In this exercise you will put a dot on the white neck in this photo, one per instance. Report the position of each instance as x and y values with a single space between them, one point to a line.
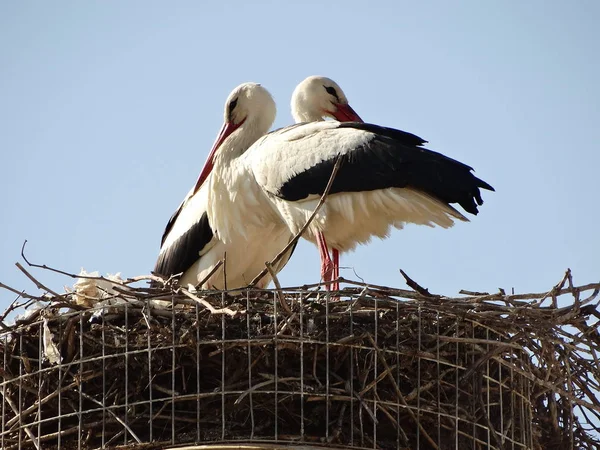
237 143
303 110
226 208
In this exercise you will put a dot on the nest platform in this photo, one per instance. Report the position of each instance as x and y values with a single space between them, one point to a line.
368 367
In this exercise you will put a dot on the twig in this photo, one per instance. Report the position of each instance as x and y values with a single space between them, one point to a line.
224 270
198 285
19 293
38 404
279 293
70 431
556 289
413 284
13 305
210 274
88 277
130 280
117 418
472 293
376 287
16 411
45 267
399 393
290 244
208 306
36 282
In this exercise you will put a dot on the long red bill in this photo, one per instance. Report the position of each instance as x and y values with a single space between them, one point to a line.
345 113
226 130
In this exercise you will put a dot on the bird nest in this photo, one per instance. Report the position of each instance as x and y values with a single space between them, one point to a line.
373 367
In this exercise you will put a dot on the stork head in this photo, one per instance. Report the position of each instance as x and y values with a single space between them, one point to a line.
318 97
249 113
249 103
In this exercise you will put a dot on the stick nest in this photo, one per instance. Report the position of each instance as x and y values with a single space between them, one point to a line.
376 367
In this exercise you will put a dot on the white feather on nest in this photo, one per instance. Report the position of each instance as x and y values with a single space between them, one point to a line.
93 289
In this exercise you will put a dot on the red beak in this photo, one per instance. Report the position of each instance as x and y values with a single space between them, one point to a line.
345 113
226 130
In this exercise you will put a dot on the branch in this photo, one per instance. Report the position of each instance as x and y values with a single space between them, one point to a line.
43 266
290 244
36 282
86 277
13 305
125 282
279 294
20 293
210 274
17 412
130 280
416 286
207 305
399 394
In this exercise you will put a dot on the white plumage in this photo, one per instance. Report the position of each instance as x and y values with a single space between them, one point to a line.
386 179
256 191
220 218
347 218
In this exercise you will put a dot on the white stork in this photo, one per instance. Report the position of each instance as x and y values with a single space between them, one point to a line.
212 223
386 178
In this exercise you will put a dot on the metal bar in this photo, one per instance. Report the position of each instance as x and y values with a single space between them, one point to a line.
302 437
198 437
125 421
250 396
81 357
275 332
150 389
173 367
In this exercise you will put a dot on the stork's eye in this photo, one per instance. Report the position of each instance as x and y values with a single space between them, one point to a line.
231 107
331 91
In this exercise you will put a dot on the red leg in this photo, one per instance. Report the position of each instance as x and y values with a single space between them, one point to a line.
336 268
327 266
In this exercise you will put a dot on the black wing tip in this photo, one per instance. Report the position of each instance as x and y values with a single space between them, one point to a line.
474 200
482 184
486 186
471 207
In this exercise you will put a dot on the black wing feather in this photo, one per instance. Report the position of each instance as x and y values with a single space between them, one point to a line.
170 224
185 251
393 158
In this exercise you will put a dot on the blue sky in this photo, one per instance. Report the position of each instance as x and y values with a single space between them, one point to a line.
108 110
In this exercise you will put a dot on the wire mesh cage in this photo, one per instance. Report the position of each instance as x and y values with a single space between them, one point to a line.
371 368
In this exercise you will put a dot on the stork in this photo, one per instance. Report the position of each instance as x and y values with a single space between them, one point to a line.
212 223
386 178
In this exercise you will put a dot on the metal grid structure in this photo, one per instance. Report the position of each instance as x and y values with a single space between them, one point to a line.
366 371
